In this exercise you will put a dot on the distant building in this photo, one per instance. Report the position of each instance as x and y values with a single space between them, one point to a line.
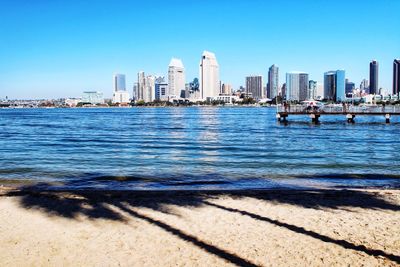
72 102
350 87
135 91
296 86
373 77
176 77
209 75
150 88
320 91
119 82
273 82
226 89
364 86
334 85
283 91
161 89
194 90
312 89
254 86
141 85
396 77
120 95
93 97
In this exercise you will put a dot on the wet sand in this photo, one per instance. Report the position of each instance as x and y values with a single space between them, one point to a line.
189 228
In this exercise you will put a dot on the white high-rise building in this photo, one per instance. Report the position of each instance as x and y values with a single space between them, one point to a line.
209 76
176 77
149 92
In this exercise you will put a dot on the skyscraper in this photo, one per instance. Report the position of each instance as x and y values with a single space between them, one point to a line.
176 77
119 82
120 95
364 86
273 81
296 86
254 85
149 92
135 91
334 85
209 75
312 89
141 85
283 90
396 77
350 86
373 77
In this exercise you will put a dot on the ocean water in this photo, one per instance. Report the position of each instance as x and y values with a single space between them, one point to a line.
194 148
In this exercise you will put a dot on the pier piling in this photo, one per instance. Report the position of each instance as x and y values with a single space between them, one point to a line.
350 118
315 118
387 117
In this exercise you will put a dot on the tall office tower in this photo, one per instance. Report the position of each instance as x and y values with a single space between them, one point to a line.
334 85
176 77
364 86
135 91
149 91
119 82
254 86
396 77
320 91
209 75
296 86
350 86
283 90
312 89
120 95
273 82
373 77
141 85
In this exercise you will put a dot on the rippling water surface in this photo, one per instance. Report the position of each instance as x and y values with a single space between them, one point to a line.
195 148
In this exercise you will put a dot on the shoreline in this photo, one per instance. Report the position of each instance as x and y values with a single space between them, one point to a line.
215 227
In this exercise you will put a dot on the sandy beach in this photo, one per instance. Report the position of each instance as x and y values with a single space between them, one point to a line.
189 228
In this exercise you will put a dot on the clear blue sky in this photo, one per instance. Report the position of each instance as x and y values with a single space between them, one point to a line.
51 49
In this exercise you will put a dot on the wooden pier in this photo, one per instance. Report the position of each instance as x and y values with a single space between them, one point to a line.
315 112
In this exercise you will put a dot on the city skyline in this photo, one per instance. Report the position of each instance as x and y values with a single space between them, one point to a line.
60 50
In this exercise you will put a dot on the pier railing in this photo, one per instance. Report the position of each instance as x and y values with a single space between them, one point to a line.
339 109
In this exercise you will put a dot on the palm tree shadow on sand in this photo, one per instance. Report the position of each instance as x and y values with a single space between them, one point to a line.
114 205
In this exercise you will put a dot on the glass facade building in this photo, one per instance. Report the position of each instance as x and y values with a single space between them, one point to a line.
373 77
396 76
335 85
350 86
273 82
119 82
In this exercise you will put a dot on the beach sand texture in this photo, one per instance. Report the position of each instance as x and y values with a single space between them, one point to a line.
214 228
